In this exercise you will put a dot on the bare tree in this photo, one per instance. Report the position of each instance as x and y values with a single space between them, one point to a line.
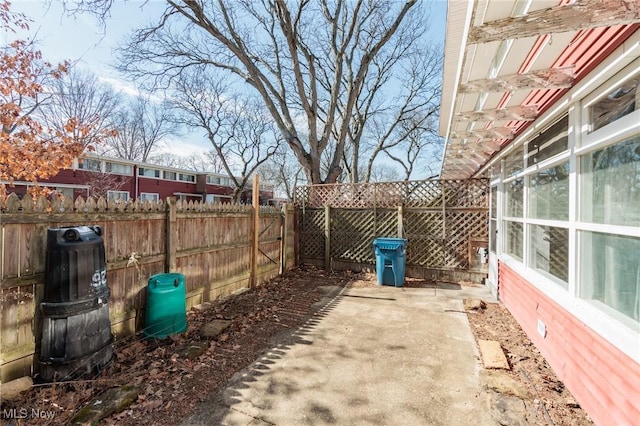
205 162
294 55
422 146
283 172
80 95
241 132
384 173
141 128
389 122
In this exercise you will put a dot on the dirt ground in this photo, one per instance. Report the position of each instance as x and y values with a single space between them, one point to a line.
550 402
175 374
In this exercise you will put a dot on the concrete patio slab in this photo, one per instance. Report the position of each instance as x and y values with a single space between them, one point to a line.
372 356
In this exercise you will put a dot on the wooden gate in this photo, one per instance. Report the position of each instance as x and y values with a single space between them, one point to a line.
445 223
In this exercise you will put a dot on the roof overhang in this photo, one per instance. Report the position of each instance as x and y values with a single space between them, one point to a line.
508 61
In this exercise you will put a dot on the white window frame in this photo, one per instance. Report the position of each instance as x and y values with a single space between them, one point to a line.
82 165
145 195
186 177
107 165
121 194
623 333
148 169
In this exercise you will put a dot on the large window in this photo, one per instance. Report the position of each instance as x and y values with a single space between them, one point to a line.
610 271
570 206
552 141
186 177
121 169
513 239
549 251
154 173
549 193
610 185
513 197
118 196
620 101
90 164
149 196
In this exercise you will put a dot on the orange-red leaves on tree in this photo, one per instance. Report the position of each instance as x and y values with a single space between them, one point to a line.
30 151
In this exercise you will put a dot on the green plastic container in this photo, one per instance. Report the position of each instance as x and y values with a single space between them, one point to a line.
166 305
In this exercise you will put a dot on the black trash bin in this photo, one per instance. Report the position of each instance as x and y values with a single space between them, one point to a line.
76 330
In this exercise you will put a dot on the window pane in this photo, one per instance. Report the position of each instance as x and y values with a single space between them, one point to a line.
549 193
623 100
549 250
513 239
611 271
494 201
123 169
90 164
513 198
118 195
514 162
610 185
552 141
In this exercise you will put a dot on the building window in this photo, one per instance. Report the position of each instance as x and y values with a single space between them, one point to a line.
170 175
549 193
549 251
618 102
121 169
186 177
67 193
514 163
154 173
118 196
213 198
513 206
610 271
149 196
513 239
213 180
90 164
610 185
552 141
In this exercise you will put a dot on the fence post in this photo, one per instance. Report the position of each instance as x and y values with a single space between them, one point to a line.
327 237
296 236
400 222
255 200
171 238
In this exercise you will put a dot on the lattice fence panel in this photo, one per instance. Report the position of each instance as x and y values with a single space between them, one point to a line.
386 223
425 193
352 234
460 226
361 212
471 193
312 233
423 231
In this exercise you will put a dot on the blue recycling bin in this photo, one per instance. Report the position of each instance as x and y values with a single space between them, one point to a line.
390 260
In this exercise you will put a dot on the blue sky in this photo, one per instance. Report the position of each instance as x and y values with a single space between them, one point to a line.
81 39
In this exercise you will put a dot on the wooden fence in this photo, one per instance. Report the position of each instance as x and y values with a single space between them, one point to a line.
219 248
445 223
